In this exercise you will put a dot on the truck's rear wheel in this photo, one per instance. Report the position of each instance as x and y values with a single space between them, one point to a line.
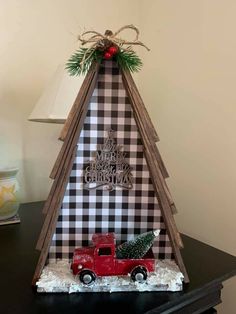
139 274
87 277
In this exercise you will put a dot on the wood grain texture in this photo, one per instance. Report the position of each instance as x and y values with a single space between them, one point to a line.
49 228
75 116
61 173
130 88
157 175
143 114
68 146
59 190
137 97
78 103
163 177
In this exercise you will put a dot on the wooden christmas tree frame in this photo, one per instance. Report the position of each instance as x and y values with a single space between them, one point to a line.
63 166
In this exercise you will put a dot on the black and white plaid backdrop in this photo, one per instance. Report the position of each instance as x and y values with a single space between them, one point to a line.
125 212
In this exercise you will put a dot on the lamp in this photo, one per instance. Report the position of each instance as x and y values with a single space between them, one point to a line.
57 99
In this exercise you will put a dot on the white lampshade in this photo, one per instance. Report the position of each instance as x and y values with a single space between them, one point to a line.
58 97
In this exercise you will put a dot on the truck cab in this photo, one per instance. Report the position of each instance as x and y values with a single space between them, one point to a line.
104 254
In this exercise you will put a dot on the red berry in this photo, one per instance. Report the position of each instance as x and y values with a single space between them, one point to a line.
113 50
107 55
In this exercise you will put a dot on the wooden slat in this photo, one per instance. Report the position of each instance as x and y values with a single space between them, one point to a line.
61 182
166 210
174 209
58 190
157 181
54 216
175 247
165 207
59 164
50 220
136 98
136 95
181 265
73 126
63 169
150 149
78 104
68 140
161 164
155 172
130 89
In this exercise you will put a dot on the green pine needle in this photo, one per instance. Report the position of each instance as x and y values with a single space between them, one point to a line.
137 247
73 65
128 60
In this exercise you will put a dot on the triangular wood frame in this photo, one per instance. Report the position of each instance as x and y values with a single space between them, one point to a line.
63 166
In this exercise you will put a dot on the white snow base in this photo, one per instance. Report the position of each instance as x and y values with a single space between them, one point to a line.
57 277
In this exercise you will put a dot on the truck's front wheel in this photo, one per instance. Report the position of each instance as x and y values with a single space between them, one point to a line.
87 277
139 274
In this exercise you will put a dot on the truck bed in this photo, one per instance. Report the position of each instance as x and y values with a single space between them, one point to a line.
127 265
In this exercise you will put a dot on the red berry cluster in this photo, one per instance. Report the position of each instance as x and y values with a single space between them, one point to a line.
110 52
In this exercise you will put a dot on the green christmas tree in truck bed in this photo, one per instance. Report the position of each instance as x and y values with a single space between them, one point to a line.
138 247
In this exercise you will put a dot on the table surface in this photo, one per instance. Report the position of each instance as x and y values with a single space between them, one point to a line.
206 266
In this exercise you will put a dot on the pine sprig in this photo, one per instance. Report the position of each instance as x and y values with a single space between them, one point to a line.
74 65
77 64
128 60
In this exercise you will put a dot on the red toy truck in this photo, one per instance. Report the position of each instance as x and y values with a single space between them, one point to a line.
100 260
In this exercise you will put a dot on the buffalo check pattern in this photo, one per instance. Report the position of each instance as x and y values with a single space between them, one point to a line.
125 212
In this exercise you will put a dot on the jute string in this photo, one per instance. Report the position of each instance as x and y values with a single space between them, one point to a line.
97 39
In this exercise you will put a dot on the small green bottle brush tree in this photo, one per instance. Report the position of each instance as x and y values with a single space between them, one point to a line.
138 247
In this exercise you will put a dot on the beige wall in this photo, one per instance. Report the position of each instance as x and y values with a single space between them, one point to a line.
187 83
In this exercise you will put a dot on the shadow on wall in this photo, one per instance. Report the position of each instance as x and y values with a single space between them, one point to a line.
40 149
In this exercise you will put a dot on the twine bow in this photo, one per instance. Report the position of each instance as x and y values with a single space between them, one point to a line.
100 41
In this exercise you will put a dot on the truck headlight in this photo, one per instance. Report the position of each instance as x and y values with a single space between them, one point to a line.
80 266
